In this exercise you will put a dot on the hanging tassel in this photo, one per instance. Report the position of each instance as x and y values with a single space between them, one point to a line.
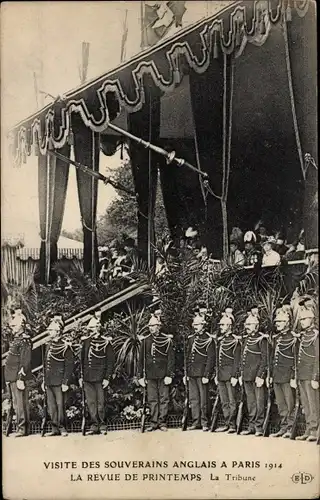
288 12
262 25
215 46
70 138
121 151
238 34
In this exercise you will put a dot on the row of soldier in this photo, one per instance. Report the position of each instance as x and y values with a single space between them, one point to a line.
285 361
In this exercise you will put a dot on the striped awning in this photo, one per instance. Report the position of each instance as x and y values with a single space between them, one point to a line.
63 253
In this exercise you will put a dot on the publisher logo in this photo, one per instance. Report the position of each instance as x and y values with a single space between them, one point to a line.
302 478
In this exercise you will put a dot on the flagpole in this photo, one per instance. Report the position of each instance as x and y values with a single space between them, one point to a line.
142 29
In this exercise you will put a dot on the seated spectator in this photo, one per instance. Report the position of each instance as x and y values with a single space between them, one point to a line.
251 253
161 267
270 256
236 236
236 257
296 250
280 245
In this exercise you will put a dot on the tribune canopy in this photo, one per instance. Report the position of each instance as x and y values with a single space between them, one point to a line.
234 94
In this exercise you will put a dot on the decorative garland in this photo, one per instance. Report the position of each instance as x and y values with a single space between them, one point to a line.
212 40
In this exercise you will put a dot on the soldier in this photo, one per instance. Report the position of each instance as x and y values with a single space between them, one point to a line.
308 372
253 372
98 360
229 352
156 369
200 366
58 368
17 372
283 371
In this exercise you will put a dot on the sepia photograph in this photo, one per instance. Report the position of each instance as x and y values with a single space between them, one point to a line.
159 250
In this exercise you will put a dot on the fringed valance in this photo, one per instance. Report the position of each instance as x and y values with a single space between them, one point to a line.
192 50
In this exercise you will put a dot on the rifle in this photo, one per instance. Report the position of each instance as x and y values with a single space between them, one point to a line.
45 401
294 428
10 412
239 418
184 422
265 429
144 404
215 408
83 396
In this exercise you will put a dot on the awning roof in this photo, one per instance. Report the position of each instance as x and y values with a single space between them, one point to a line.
163 66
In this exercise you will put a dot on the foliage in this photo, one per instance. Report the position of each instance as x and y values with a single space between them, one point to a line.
129 330
121 217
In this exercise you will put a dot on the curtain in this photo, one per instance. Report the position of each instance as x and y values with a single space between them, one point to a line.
46 189
145 124
87 151
53 177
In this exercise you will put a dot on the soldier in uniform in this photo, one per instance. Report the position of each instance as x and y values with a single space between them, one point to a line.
156 369
308 373
229 352
283 371
98 360
253 372
58 368
200 366
17 373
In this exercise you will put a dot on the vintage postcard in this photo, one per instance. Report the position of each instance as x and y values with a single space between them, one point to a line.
159 271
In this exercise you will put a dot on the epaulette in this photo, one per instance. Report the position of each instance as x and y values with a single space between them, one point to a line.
109 339
143 337
191 335
263 336
85 337
237 337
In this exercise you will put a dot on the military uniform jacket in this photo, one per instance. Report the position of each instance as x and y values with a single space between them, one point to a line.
283 358
98 359
59 363
308 356
19 356
254 357
229 353
159 357
200 355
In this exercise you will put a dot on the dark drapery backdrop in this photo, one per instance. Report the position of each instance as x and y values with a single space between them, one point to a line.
86 151
52 173
145 124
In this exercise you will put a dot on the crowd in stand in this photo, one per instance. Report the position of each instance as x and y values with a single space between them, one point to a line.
246 248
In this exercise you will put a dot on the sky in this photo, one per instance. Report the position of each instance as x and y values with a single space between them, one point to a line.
50 34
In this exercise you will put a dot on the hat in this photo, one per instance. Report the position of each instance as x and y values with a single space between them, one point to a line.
253 317
227 317
283 313
154 321
191 233
198 320
271 240
250 237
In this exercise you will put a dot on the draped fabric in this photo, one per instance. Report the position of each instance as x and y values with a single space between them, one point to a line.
53 177
145 124
46 189
14 270
59 201
86 151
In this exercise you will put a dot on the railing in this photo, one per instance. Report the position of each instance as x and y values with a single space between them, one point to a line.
84 316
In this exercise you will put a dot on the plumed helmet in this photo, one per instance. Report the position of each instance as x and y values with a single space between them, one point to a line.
154 321
283 313
93 323
249 237
227 317
198 320
253 317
